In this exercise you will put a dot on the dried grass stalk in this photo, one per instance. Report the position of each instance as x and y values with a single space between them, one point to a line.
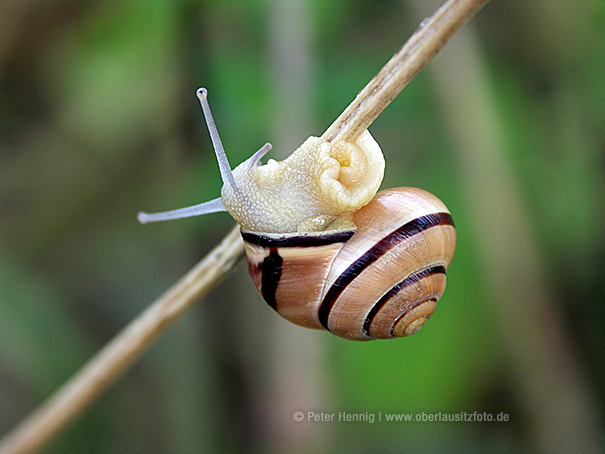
111 361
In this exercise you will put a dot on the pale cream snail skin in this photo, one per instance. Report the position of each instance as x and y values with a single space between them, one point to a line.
323 249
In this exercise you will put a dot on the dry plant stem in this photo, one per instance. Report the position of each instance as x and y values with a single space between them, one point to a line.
104 368
427 40
107 365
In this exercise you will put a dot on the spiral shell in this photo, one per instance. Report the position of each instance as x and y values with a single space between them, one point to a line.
381 280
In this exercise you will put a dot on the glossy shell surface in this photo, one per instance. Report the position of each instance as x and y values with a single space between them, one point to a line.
381 280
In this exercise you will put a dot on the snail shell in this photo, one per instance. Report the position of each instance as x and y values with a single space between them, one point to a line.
323 249
381 281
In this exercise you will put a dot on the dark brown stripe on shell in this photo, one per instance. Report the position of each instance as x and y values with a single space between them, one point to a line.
395 290
404 232
301 240
271 274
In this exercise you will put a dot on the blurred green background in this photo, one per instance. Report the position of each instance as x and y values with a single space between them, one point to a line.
99 119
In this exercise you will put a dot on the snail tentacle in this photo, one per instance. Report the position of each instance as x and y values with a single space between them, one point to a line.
219 150
256 157
212 206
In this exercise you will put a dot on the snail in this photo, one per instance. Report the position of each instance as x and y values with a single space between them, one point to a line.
323 248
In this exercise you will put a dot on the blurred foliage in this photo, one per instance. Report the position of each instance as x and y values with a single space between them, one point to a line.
98 120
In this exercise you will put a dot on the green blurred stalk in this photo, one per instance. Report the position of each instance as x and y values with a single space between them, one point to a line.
298 364
551 384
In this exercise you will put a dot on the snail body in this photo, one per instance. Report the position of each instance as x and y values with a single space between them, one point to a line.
323 249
